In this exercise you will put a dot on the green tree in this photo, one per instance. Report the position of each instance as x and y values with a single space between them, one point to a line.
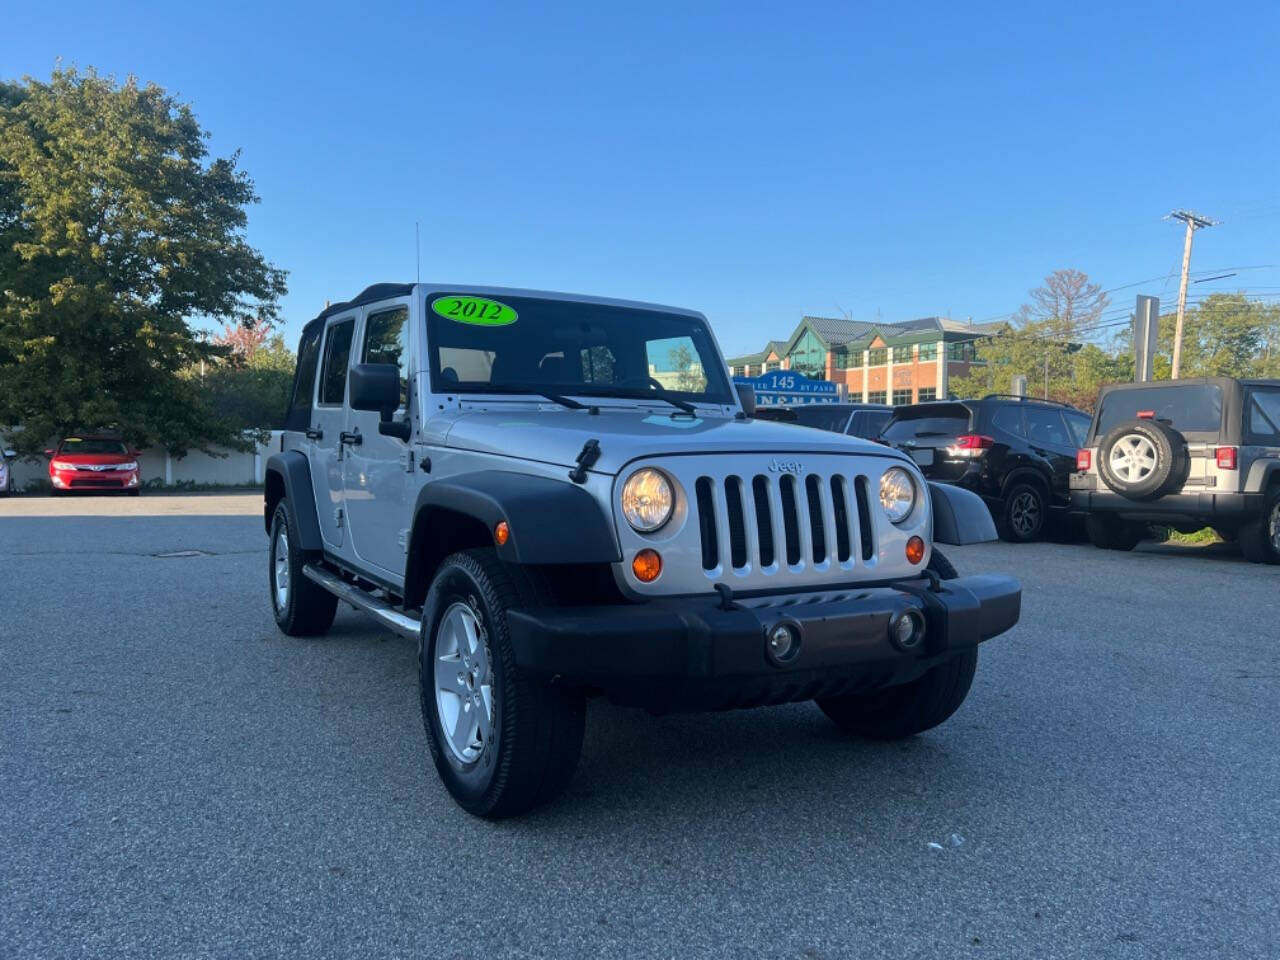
251 389
115 229
1225 335
1048 339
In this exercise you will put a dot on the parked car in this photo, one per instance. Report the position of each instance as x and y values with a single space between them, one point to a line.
1187 454
1017 453
864 420
6 472
92 462
500 476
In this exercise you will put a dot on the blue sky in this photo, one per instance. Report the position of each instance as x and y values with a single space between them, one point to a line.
755 161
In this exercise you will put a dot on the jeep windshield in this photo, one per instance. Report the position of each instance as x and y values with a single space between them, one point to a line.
1191 408
504 344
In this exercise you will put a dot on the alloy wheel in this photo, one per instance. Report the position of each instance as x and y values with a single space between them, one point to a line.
1024 513
280 562
1132 458
464 683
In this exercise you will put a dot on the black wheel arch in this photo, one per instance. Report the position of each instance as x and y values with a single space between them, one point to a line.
288 478
551 522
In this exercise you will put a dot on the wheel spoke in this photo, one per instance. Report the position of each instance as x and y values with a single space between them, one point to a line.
464 732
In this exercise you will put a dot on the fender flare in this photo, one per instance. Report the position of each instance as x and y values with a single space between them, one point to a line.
551 521
294 474
1261 475
960 517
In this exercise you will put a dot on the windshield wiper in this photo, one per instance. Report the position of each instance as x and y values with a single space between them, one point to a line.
563 401
682 405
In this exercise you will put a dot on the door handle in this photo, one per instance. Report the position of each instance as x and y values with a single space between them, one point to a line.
314 433
352 438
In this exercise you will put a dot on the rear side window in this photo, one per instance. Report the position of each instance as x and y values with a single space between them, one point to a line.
1264 416
1078 424
298 416
1009 419
868 423
1193 408
337 354
948 426
384 342
823 417
1046 426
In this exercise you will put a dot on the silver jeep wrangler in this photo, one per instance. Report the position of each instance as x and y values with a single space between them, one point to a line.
1186 454
561 496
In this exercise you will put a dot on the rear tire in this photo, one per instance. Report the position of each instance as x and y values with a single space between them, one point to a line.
911 708
1112 533
1022 515
503 742
1260 540
302 607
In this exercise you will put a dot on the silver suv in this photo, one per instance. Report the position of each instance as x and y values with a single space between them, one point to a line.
560 496
1187 454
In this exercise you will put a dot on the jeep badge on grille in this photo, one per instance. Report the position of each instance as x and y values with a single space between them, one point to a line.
786 466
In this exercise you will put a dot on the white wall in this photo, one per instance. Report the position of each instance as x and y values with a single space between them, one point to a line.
196 467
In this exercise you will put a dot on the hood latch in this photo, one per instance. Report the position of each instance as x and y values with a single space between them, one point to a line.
587 457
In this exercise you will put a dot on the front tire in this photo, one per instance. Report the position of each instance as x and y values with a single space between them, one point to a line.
1112 533
911 708
1022 515
302 607
503 743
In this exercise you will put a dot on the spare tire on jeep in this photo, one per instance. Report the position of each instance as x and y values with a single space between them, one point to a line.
1143 459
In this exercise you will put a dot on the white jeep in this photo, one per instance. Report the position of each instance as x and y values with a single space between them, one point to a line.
560 496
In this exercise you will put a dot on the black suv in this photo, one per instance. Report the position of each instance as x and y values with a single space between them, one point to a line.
855 419
1015 452
1186 454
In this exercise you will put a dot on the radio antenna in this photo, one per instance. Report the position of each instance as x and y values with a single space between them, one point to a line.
417 252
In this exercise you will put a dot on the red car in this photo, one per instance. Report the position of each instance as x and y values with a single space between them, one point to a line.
93 463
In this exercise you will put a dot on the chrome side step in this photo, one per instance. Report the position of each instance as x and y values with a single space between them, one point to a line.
380 610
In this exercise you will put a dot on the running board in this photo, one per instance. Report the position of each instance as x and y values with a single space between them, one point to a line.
380 610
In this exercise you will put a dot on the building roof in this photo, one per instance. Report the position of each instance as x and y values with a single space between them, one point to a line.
837 332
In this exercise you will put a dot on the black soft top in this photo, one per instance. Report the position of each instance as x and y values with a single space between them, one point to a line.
370 294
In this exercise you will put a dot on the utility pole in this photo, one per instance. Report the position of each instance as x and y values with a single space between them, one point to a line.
1194 222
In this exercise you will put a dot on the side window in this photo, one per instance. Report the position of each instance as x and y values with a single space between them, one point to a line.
1045 426
304 381
1264 416
1078 424
385 341
337 354
1009 419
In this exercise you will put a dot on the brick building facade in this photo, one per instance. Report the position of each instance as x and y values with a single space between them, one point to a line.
877 362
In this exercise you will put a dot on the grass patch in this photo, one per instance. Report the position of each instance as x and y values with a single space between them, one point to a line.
1199 538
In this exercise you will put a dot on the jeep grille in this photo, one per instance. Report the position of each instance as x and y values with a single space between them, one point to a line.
767 519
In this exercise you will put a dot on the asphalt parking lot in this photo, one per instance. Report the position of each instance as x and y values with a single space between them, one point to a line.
179 780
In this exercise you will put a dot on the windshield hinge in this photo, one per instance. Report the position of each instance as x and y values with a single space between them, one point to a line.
587 457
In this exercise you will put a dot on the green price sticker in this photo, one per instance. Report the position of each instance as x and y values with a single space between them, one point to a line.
476 310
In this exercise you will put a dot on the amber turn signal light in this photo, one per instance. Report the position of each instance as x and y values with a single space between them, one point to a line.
502 533
915 549
646 565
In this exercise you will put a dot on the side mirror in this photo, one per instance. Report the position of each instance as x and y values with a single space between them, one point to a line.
376 387
135 454
48 453
746 397
9 454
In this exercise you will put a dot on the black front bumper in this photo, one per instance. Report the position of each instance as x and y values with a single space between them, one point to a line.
693 654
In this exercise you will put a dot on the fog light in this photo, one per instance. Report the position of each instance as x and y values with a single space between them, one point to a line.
782 643
646 565
915 549
906 629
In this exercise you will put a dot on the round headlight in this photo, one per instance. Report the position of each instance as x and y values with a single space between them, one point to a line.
648 500
897 494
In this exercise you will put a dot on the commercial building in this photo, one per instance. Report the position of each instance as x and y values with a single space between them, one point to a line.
876 362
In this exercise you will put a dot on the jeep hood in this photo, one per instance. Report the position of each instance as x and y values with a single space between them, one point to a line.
557 436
